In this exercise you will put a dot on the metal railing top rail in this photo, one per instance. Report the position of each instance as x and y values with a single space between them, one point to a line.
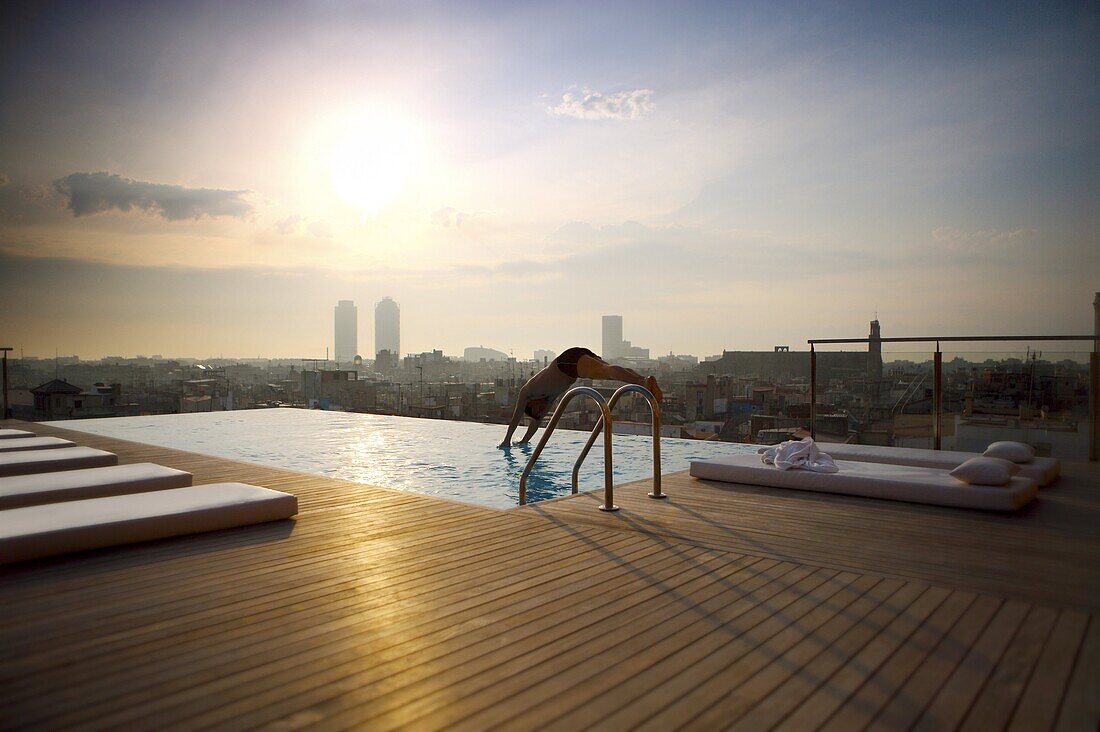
608 482
654 410
953 339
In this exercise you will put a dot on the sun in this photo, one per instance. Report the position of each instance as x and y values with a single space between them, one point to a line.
373 156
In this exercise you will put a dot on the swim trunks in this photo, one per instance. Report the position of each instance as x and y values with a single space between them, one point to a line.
567 360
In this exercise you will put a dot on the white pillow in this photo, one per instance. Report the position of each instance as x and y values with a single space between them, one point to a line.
1017 452
986 471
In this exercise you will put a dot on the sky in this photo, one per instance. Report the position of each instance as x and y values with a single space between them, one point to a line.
211 178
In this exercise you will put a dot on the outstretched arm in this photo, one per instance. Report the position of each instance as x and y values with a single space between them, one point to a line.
517 414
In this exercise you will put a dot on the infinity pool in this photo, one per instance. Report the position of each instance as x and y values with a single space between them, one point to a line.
452 459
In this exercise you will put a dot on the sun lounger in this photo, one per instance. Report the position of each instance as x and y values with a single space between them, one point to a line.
60 528
34 443
49 461
1043 470
875 480
75 485
8 434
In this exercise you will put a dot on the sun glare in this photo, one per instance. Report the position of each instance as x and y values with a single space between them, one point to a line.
373 156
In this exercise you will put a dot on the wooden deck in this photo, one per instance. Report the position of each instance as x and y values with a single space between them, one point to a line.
721 608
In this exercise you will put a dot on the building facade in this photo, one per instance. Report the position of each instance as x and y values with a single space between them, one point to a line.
347 332
612 336
387 327
613 344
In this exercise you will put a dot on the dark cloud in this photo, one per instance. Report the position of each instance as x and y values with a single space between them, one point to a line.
92 193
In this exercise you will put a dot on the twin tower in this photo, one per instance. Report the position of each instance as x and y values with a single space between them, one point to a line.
387 329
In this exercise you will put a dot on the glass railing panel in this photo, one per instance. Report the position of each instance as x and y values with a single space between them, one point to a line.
905 399
1021 393
872 398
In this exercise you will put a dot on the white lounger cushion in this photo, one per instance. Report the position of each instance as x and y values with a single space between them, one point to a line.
1017 452
34 443
876 480
7 434
60 528
49 461
1043 470
75 485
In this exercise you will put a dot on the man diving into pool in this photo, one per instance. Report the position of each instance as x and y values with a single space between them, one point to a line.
542 389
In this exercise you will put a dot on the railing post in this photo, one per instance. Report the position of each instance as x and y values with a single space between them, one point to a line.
656 417
7 406
937 398
813 392
1094 382
1094 404
608 477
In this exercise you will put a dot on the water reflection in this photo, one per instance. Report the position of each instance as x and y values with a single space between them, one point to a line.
457 460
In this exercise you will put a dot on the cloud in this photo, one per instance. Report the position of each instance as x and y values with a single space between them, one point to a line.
582 232
4 179
289 225
321 229
92 193
981 239
317 227
591 104
447 216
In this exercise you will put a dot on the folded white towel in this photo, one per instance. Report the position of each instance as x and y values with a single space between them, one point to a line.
802 454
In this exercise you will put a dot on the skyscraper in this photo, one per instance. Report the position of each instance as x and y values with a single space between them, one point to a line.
612 336
347 332
387 327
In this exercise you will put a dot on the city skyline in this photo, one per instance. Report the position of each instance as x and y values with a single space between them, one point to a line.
194 178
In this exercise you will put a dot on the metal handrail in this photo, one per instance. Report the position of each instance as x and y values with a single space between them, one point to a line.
654 410
608 484
952 339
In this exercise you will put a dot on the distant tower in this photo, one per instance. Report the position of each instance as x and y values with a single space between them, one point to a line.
347 331
612 336
387 327
874 353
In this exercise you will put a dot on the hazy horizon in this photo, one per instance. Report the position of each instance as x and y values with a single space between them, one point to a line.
205 178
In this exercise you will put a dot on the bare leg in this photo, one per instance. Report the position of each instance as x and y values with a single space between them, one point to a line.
596 368
530 432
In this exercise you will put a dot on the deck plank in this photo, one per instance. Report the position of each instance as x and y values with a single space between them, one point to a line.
1081 707
1048 552
865 704
719 607
1039 703
783 699
961 689
831 695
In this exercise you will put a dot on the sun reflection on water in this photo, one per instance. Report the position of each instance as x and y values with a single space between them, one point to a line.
450 459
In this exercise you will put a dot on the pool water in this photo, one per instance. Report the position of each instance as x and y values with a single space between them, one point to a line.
458 460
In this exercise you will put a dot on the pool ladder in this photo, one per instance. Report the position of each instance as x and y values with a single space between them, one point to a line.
603 424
